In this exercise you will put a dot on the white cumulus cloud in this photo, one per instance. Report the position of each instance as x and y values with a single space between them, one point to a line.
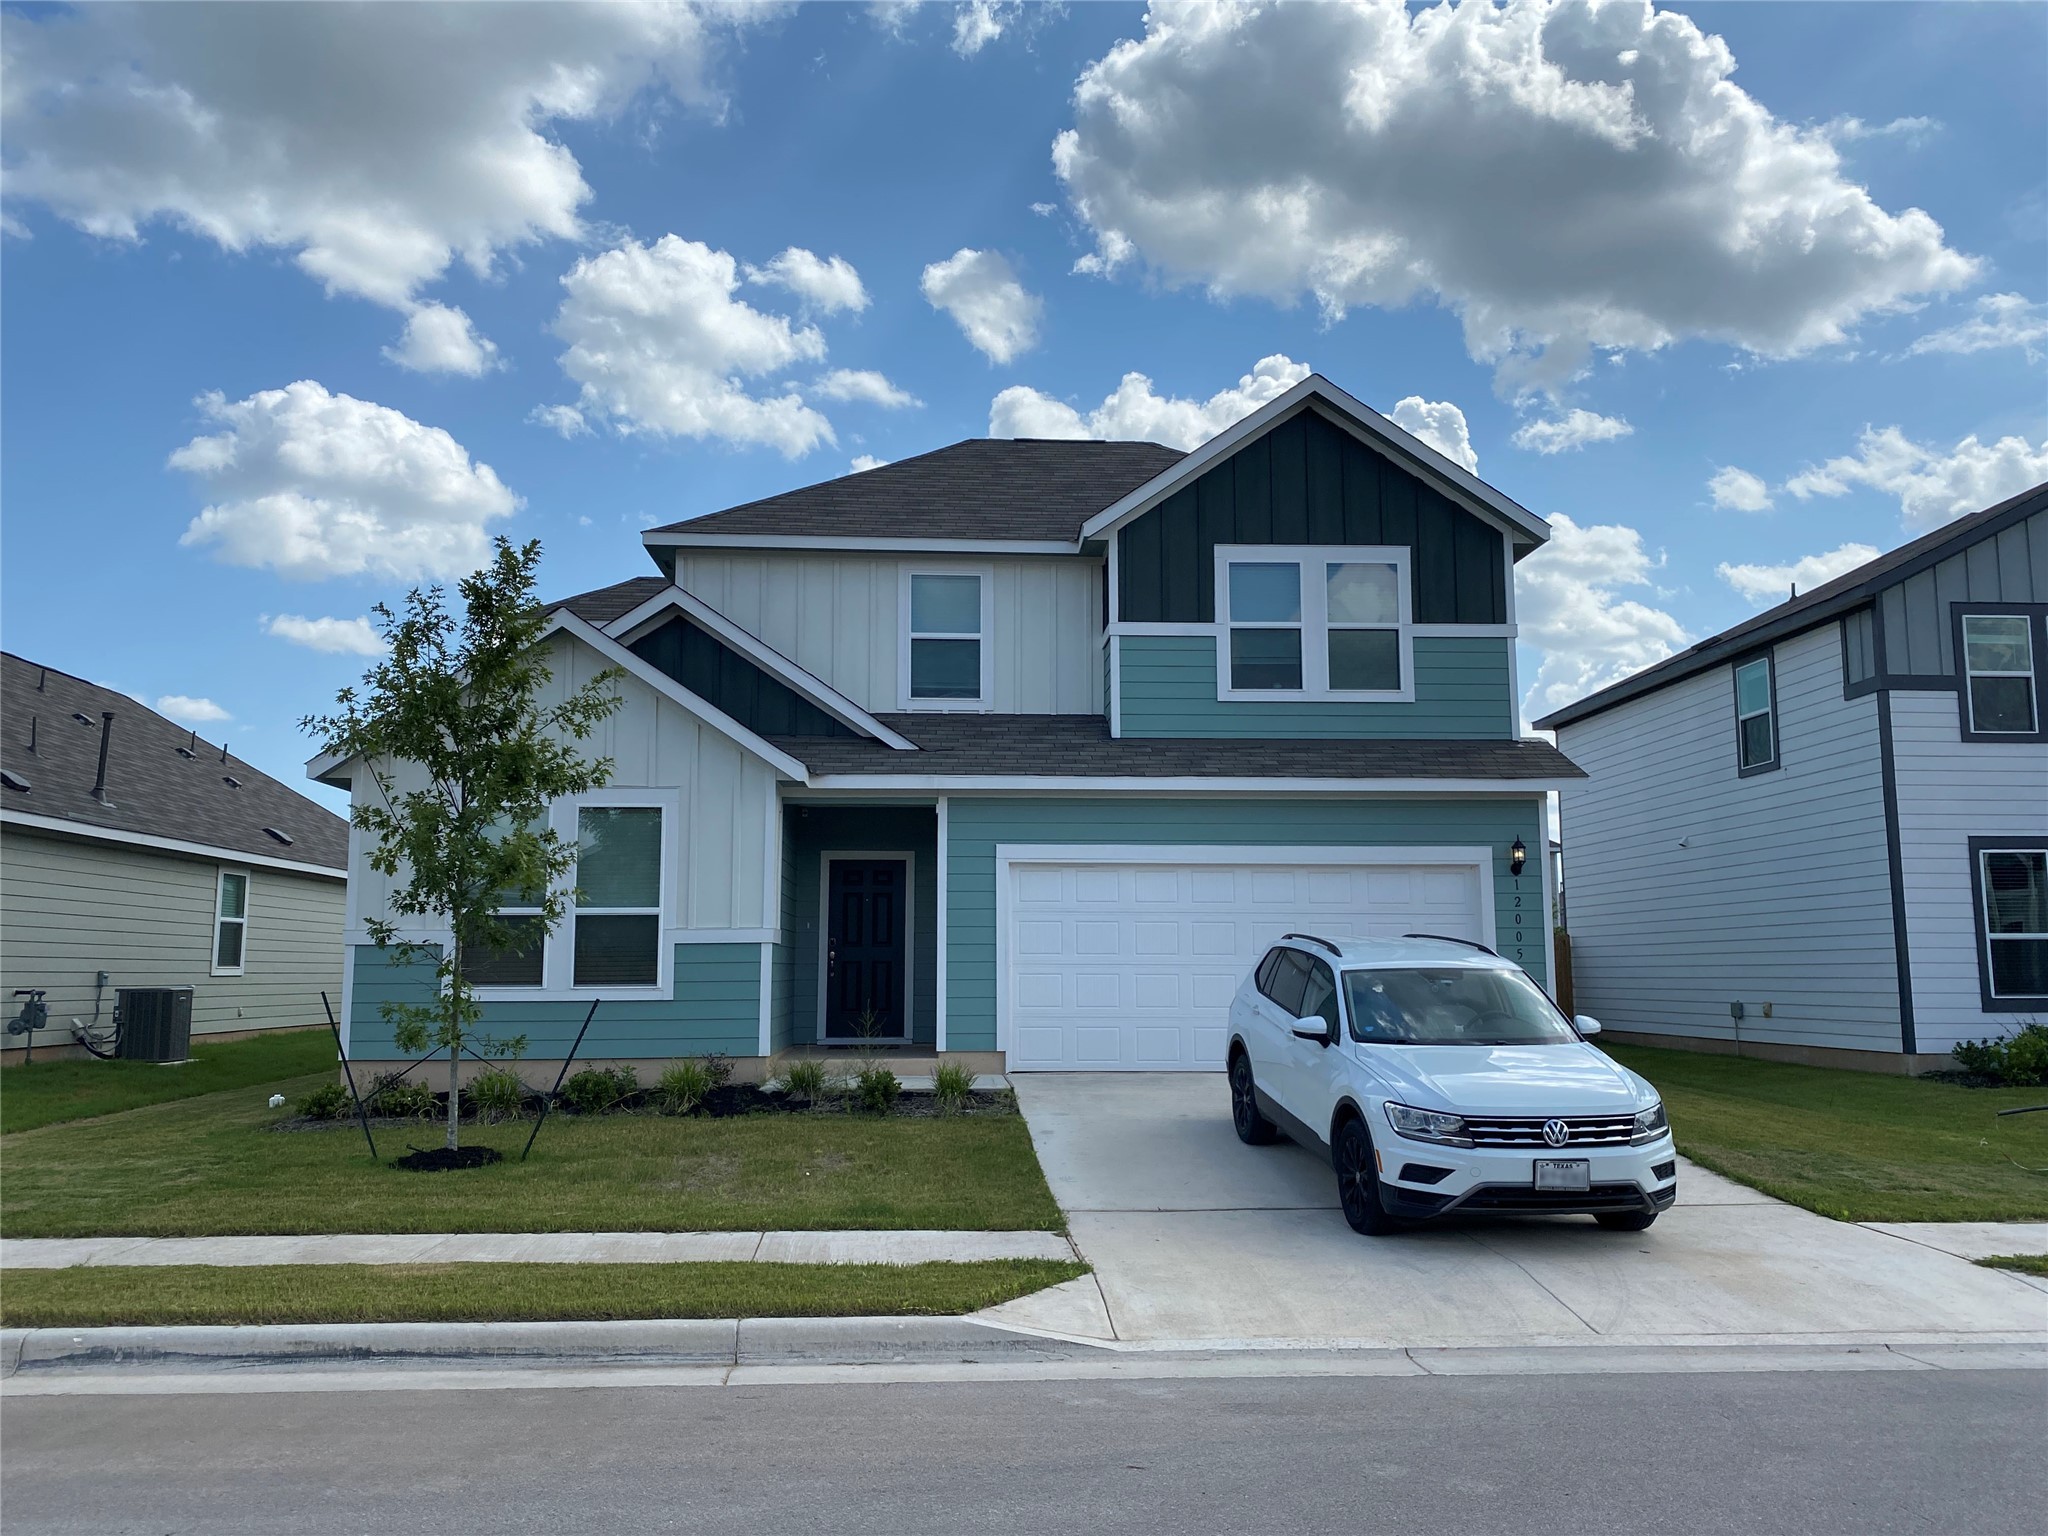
1574 429
1564 176
1932 486
1569 608
563 420
1136 411
441 339
187 710
1439 424
993 310
977 23
826 284
312 484
660 344
1774 583
2001 320
376 144
336 637
1737 490
863 462
863 384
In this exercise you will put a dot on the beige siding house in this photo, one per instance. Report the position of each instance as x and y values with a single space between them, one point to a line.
156 862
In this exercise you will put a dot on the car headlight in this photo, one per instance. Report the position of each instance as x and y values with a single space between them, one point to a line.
1650 1124
1428 1125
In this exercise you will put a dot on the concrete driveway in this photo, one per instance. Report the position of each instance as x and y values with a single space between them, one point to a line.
1195 1237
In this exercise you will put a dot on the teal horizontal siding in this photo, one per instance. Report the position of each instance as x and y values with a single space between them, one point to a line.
1462 690
716 1007
975 825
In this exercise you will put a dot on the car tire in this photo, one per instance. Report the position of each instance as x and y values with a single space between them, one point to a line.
1358 1181
1253 1128
1626 1221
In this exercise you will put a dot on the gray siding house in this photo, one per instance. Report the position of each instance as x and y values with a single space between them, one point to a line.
1025 751
132 854
1823 834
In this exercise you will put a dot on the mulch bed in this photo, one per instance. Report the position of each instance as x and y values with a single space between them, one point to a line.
729 1101
444 1159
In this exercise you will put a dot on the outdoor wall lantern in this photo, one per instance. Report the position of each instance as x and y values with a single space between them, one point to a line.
1518 855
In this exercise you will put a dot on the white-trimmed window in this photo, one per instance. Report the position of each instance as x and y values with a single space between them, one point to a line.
1998 674
230 922
1314 622
947 619
523 962
616 939
2012 922
1756 716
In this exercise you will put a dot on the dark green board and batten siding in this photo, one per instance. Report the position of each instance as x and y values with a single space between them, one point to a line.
726 680
977 825
1461 690
716 1007
1307 481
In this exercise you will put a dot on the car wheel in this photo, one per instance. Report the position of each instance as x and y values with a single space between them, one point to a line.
1358 1182
1253 1128
1626 1221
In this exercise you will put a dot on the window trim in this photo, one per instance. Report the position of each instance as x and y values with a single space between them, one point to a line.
558 951
986 574
1314 625
220 881
1777 758
2036 615
1980 918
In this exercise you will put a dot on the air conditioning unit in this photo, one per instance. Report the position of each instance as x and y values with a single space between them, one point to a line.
156 1023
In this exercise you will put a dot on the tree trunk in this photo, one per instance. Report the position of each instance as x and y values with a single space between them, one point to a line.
455 1048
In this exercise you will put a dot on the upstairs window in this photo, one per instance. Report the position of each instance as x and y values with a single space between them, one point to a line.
1998 674
1756 716
1314 623
230 921
2012 924
618 896
946 662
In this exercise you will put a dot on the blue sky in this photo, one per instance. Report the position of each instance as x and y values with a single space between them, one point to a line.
205 206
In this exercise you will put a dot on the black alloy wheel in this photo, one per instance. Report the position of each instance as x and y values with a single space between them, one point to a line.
1358 1182
1253 1128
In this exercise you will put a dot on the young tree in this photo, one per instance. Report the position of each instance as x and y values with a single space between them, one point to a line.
465 758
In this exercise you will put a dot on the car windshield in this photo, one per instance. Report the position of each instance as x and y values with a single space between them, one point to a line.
1456 1005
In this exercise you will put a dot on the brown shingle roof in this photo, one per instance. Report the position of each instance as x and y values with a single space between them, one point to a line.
603 604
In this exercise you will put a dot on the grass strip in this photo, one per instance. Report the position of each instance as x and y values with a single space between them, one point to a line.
51 1092
212 1167
2028 1263
174 1294
1856 1146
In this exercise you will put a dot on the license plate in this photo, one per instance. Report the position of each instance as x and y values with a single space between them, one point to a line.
1564 1173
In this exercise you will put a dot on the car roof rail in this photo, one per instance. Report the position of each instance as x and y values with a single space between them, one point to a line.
1445 938
1311 938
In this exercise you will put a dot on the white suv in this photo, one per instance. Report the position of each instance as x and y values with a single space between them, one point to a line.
1440 1078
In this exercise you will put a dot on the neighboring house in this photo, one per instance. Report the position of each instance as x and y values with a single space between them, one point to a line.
1025 751
133 854
1823 834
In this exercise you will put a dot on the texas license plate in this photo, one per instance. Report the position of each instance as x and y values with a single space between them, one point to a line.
1564 1173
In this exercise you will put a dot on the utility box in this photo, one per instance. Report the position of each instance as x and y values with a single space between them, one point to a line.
156 1023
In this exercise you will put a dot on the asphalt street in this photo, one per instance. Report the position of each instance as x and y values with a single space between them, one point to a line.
1806 1452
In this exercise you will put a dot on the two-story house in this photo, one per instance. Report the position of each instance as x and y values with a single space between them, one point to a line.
1024 751
1823 834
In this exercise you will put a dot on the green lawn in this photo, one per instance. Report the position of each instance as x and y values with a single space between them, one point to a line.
1856 1146
2032 1263
46 1092
418 1293
210 1166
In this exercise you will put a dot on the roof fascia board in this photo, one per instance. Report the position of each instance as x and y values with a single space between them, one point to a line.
629 626
1082 784
1368 425
658 539
29 821
565 622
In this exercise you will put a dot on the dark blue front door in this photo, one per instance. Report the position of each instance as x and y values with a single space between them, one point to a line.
864 981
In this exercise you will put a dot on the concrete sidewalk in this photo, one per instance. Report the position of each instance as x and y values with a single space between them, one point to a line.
540 1248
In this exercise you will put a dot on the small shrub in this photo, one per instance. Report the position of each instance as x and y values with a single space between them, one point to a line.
2018 1060
497 1093
875 1090
684 1085
330 1101
719 1068
597 1089
952 1088
401 1098
805 1080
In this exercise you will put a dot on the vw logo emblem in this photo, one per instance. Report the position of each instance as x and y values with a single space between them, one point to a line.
1556 1133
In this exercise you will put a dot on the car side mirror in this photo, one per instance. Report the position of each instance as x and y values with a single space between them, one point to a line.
1587 1024
1316 1029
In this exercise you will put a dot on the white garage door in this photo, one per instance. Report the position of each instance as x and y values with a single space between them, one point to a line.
1131 967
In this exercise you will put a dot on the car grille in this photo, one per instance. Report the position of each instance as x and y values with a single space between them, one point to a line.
1586 1131
1509 1198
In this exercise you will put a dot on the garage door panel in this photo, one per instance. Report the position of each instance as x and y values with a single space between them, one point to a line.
1133 967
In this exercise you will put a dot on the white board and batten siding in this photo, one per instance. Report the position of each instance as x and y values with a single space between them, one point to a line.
1689 887
1950 791
839 616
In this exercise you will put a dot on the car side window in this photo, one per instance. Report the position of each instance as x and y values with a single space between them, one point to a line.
1319 997
1289 978
1268 969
